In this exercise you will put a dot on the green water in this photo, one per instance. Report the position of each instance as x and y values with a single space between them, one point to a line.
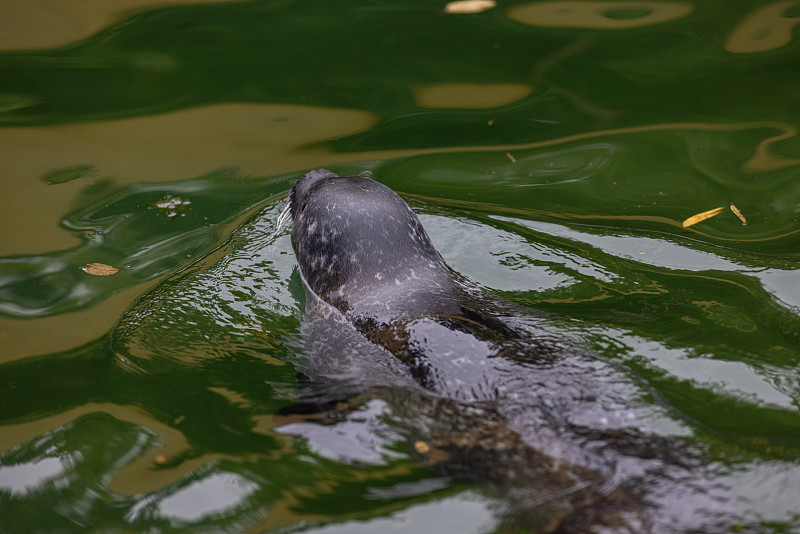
551 150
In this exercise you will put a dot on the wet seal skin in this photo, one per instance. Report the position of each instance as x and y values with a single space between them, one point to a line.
480 394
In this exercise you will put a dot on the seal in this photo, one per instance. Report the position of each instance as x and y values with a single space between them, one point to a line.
549 424
362 249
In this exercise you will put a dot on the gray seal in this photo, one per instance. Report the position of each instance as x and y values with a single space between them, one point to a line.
549 426
362 249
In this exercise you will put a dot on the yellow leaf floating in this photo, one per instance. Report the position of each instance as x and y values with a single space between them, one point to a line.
465 7
694 219
421 447
99 269
738 213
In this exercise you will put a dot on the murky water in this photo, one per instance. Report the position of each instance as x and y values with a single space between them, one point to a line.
551 149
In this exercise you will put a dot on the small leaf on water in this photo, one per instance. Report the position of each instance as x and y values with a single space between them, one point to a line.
421 447
694 219
99 269
738 213
463 7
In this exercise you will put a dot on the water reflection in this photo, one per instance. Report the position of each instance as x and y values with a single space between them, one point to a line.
260 140
552 151
453 514
599 15
729 378
498 259
24 478
50 23
213 495
469 95
766 28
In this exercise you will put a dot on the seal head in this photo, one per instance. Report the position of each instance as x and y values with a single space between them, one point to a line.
361 249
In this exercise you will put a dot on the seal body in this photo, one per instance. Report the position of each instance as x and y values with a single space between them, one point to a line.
553 427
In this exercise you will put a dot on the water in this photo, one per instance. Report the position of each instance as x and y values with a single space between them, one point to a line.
550 149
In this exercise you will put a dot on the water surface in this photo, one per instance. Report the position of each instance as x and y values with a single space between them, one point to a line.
551 149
